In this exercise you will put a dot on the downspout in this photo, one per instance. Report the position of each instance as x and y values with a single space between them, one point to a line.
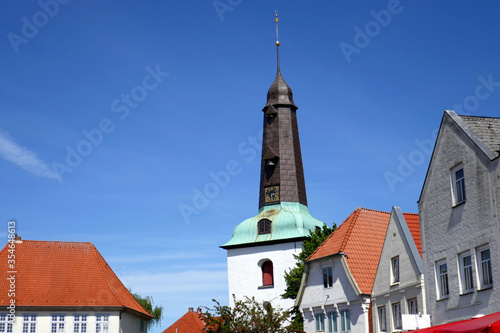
120 319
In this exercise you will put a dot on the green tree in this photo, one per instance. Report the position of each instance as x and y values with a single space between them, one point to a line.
147 303
293 277
247 316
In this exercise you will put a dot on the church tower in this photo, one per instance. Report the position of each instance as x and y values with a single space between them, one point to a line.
262 247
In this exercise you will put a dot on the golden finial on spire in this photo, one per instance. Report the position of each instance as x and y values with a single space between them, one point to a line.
277 20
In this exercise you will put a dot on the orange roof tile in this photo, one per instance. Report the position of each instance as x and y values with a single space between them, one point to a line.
413 223
191 322
361 237
63 274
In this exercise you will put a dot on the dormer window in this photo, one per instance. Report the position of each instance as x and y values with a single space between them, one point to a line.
264 227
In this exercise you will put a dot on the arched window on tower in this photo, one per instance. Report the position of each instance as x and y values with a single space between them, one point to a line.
264 227
267 273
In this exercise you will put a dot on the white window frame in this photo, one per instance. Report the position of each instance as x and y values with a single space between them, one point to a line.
397 321
80 323
395 277
345 320
466 272
102 323
320 322
412 306
459 193
5 323
382 318
443 287
57 322
332 322
29 323
327 277
484 267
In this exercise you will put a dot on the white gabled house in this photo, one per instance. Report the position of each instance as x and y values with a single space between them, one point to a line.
398 297
335 293
64 287
460 229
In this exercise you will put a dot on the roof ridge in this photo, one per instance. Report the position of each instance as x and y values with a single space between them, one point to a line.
350 226
49 241
374 210
485 117
104 274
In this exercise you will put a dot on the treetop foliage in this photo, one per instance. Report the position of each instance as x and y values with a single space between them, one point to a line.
247 316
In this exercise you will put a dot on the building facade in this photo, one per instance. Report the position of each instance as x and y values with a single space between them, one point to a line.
335 293
459 223
62 287
398 297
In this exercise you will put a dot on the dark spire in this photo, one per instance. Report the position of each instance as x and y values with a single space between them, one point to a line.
282 174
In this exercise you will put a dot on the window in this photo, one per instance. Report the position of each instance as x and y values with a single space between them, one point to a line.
327 277
264 227
412 306
484 263
29 323
80 324
345 320
5 324
442 279
395 269
141 325
320 322
267 273
458 185
396 315
332 322
57 324
102 323
466 275
382 321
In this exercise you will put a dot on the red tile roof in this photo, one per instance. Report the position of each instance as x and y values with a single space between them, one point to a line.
189 323
63 274
361 237
413 223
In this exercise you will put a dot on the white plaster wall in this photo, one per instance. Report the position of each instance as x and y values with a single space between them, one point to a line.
43 323
411 281
341 295
132 323
245 274
448 231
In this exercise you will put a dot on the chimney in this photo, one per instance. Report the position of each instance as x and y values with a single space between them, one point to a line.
190 309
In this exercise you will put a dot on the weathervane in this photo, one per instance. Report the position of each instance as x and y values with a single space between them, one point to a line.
277 20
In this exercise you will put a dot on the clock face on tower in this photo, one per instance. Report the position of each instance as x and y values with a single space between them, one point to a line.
272 194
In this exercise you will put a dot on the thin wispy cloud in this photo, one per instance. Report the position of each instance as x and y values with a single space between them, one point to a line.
24 158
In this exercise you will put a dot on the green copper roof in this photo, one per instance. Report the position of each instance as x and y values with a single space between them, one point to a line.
290 220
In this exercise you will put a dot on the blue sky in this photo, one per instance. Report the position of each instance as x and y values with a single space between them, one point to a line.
114 116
